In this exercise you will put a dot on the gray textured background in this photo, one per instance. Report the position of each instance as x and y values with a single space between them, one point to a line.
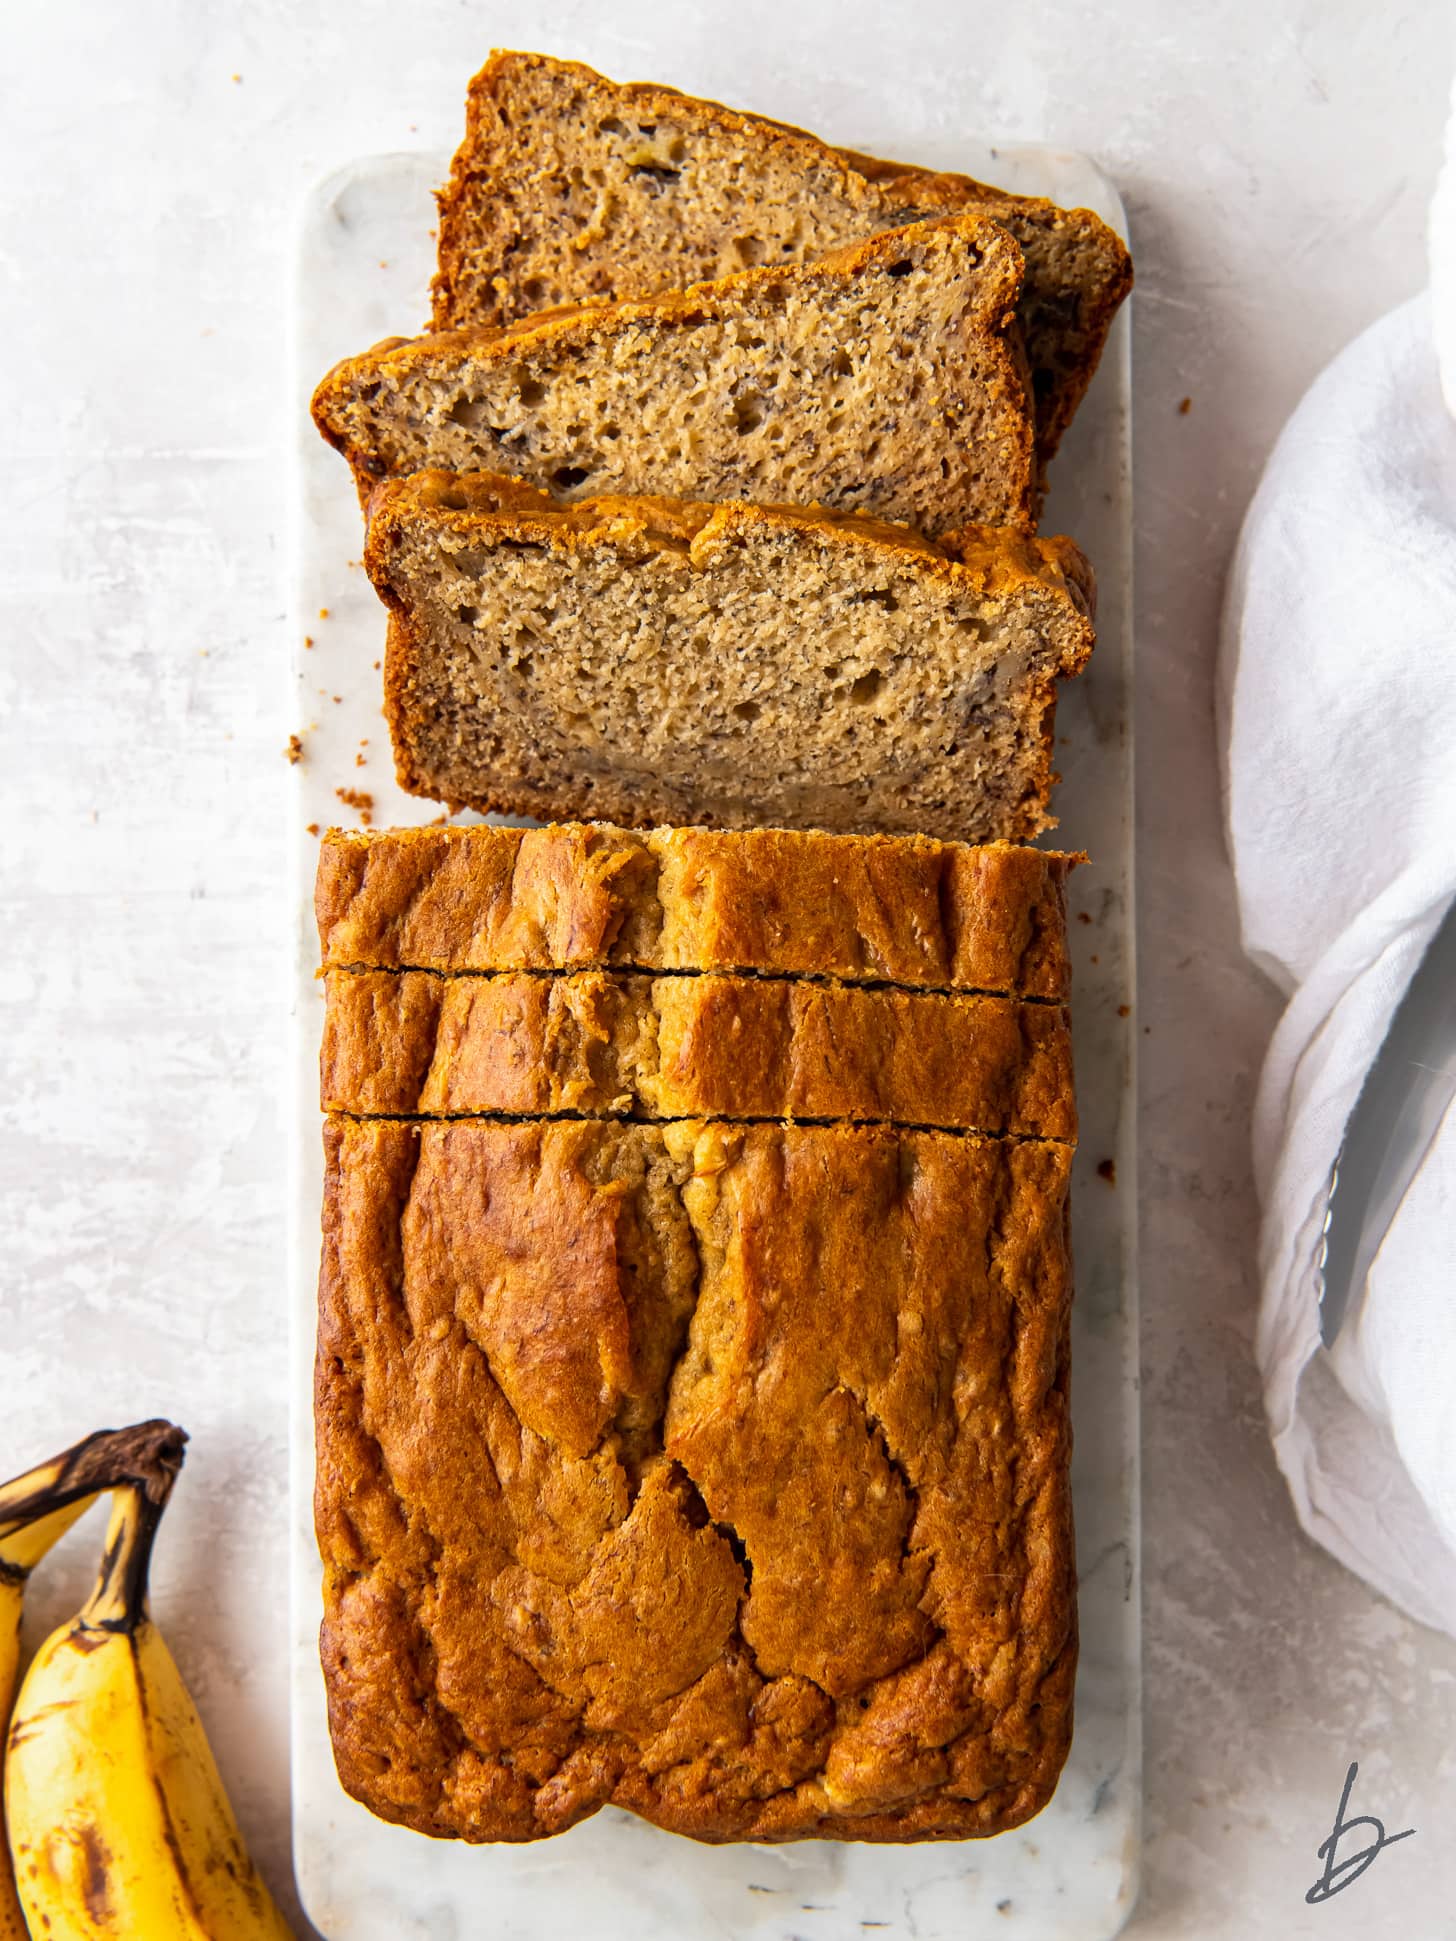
1276 160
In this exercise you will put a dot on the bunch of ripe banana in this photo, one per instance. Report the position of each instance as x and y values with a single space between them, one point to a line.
116 1817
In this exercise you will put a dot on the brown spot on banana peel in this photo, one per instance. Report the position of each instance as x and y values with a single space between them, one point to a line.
169 1832
86 1641
95 1881
22 1733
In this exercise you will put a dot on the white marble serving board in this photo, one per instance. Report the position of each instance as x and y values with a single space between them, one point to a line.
365 256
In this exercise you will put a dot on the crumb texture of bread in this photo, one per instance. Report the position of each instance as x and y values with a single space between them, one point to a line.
902 910
717 1472
887 378
571 188
652 661
414 1043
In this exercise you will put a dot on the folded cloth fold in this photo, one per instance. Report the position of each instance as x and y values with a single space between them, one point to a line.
1338 721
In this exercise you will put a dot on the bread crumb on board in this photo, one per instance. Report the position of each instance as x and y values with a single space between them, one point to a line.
1107 1169
1185 407
312 828
294 751
360 800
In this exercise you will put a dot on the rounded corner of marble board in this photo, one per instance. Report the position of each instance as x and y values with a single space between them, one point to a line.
331 201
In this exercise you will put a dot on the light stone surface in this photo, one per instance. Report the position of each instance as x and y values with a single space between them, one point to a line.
364 264
1276 162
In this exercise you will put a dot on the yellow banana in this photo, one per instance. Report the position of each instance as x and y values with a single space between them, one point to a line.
119 1825
36 1509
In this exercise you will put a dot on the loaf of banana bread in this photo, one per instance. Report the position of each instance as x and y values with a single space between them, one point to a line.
718 1472
655 660
888 378
685 1441
569 188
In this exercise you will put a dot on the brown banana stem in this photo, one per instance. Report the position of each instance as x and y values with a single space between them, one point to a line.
119 1601
147 1455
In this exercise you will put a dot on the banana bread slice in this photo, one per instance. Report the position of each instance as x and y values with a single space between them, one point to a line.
862 909
649 660
569 188
401 1043
887 378
715 1472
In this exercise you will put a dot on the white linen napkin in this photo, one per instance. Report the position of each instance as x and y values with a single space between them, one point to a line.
1338 721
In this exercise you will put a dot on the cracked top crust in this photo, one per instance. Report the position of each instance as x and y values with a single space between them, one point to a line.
401 1043
902 910
718 1472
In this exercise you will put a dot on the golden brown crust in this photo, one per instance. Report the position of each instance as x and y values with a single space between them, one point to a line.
574 326
538 347
992 561
869 909
405 1043
1078 271
717 1472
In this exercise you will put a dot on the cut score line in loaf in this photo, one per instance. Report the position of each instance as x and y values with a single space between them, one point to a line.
898 910
524 1044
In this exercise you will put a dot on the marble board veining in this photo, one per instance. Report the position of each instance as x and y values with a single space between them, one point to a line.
365 254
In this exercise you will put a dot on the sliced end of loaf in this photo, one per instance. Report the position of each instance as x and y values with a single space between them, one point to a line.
905 910
652 189
886 379
658 662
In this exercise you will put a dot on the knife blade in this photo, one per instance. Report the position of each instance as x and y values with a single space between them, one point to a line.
1406 1094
